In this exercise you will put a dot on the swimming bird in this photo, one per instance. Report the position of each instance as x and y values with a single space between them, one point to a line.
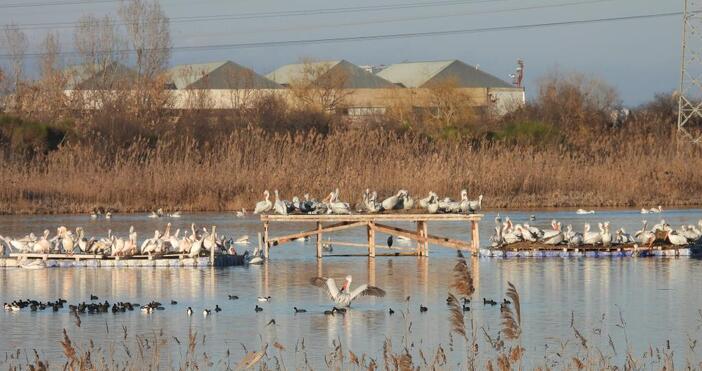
299 310
189 311
657 210
584 212
489 302
344 296
233 297
241 213
173 302
217 308
422 308
264 298
271 322
257 308
206 312
390 311
265 205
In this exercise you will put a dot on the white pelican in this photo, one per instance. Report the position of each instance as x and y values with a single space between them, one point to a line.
151 245
153 215
606 235
43 246
662 226
676 239
279 205
265 205
644 211
644 236
424 202
553 236
657 210
433 204
175 214
475 205
407 200
591 238
241 213
573 238
464 204
344 296
584 212
392 202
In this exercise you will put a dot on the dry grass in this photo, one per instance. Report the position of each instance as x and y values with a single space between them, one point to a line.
233 172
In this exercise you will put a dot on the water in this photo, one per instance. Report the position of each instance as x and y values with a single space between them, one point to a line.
659 298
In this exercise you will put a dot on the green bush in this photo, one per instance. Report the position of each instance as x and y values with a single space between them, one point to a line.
528 132
30 137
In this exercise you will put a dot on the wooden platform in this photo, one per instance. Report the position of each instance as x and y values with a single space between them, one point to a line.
525 248
84 260
372 224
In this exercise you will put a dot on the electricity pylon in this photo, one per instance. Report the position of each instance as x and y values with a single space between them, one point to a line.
690 91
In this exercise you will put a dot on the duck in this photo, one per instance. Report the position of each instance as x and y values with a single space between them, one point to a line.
257 308
189 311
206 312
344 296
299 310
217 308
233 297
489 302
264 298
264 206
584 212
390 311
422 308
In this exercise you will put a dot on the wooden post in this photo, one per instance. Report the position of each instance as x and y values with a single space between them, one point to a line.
420 244
371 239
425 234
212 255
475 237
319 240
265 240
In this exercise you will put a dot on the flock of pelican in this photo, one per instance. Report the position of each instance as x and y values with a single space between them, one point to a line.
370 203
193 243
507 233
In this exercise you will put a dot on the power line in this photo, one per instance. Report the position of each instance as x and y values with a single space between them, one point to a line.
277 14
391 36
54 3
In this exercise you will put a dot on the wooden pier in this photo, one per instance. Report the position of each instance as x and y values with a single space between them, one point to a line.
373 224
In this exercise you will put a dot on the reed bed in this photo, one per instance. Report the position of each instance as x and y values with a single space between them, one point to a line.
232 172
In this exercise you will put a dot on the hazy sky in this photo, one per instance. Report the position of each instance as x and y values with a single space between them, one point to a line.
639 57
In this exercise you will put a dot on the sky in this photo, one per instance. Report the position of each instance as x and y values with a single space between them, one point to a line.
639 57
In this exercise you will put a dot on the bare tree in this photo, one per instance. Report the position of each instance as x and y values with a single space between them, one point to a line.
448 104
16 44
50 99
148 31
321 86
99 47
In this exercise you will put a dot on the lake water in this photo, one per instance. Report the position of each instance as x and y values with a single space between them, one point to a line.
659 298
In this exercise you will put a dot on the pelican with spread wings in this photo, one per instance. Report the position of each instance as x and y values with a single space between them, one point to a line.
344 296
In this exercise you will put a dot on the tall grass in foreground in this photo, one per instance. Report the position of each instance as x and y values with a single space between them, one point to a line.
476 348
231 172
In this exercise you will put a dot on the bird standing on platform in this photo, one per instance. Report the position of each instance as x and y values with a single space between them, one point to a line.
344 296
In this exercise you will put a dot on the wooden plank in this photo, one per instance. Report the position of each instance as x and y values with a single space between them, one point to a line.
371 217
475 237
350 244
425 233
266 242
332 228
444 241
412 253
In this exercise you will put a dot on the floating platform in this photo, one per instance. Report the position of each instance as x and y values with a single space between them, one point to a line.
539 250
19 260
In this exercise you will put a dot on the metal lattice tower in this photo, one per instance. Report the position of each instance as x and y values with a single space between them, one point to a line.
690 91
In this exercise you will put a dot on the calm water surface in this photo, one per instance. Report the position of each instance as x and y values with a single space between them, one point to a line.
659 298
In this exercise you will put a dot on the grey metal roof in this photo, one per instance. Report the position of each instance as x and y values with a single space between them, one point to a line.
353 76
218 75
92 76
423 74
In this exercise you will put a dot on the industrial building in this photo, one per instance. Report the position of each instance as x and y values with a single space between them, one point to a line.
358 91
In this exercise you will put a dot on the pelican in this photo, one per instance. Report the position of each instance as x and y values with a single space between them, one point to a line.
407 200
538 233
175 214
676 239
464 204
644 211
554 236
657 210
433 204
307 206
584 212
424 202
591 238
644 236
243 240
43 246
150 246
573 238
606 235
334 206
475 205
392 202
265 205
662 226
344 296
279 205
